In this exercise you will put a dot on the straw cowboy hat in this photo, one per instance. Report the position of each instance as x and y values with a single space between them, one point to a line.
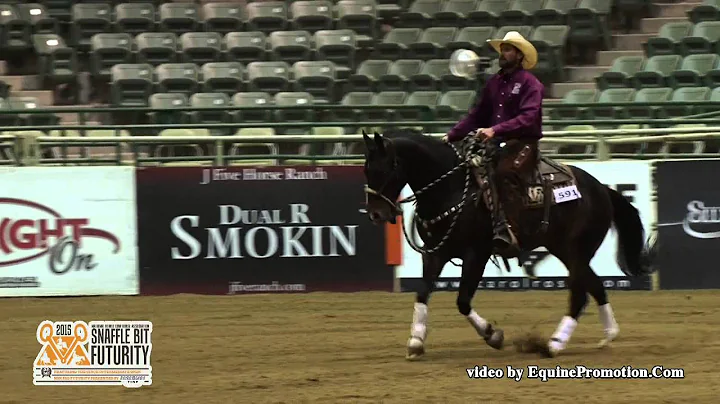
515 39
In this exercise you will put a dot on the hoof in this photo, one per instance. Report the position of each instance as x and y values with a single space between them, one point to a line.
496 339
415 349
609 337
549 351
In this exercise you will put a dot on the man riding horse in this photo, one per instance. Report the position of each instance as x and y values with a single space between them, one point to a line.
508 115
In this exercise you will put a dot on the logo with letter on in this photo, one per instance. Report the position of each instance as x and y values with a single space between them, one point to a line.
30 230
700 215
102 353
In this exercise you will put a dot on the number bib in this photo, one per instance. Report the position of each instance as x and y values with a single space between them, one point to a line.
566 194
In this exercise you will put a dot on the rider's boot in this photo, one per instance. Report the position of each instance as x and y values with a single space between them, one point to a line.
504 241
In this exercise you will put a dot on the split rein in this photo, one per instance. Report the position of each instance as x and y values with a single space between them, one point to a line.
455 210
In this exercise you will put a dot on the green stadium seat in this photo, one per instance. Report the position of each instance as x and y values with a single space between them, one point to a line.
386 98
453 105
668 40
339 47
311 16
178 18
524 30
398 76
16 31
611 96
549 40
576 96
156 48
300 116
454 13
201 47
353 98
420 98
178 78
657 94
588 24
430 76
520 12
267 16
270 77
684 94
131 85
222 77
684 146
705 38
211 116
359 16
107 51
246 47
395 44
709 10
316 78
420 14
169 102
135 18
693 70
554 13
223 17
87 21
390 10
487 13
624 150
576 150
254 148
57 63
712 77
291 46
25 103
37 15
58 9
257 101
432 42
473 38
367 75
327 149
8 119
656 72
621 72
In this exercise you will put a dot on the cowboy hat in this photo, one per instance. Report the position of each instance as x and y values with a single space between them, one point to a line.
515 39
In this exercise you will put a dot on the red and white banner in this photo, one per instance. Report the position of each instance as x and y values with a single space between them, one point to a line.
68 231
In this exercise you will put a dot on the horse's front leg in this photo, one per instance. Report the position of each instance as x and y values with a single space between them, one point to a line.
472 272
432 266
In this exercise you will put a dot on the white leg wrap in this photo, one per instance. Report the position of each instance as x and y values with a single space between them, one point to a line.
608 319
479 324
419 325
563 333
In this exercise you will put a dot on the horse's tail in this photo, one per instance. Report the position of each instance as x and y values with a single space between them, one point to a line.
634 256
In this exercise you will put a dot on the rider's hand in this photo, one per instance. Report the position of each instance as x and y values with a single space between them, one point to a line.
445 139
487 133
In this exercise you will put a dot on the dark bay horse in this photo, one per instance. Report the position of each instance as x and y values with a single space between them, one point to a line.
453 225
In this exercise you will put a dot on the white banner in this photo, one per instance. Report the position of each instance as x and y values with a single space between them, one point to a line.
68 231
632 178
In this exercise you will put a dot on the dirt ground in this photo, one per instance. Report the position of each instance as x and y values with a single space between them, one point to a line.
333 348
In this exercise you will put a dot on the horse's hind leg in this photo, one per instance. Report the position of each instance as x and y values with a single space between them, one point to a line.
607 317
577 282
432 266
472 272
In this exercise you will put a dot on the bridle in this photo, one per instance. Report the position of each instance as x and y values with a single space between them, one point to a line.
455 210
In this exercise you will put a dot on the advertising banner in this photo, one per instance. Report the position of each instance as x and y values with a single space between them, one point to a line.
68 231
688 224
631 178
267 229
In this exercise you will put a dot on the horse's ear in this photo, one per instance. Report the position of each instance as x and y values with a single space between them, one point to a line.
379 143
368 141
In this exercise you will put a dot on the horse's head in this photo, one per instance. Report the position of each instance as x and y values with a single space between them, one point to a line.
385 179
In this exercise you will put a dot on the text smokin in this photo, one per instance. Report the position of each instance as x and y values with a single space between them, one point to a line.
266 234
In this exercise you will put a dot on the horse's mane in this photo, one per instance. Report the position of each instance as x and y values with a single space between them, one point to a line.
430 144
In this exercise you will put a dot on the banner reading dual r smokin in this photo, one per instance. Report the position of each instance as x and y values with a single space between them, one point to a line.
264 229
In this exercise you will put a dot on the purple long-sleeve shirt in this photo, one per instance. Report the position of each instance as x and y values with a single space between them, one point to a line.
510 103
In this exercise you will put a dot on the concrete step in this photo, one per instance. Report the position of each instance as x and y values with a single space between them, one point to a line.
607 58
22 83
677 10
560 89
653 25
44 97
631 42
580 74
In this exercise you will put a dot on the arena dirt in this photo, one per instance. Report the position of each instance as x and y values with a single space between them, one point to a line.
333 348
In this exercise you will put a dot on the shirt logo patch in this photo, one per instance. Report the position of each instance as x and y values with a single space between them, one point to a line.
516 88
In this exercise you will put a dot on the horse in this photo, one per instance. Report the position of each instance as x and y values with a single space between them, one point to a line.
453 223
